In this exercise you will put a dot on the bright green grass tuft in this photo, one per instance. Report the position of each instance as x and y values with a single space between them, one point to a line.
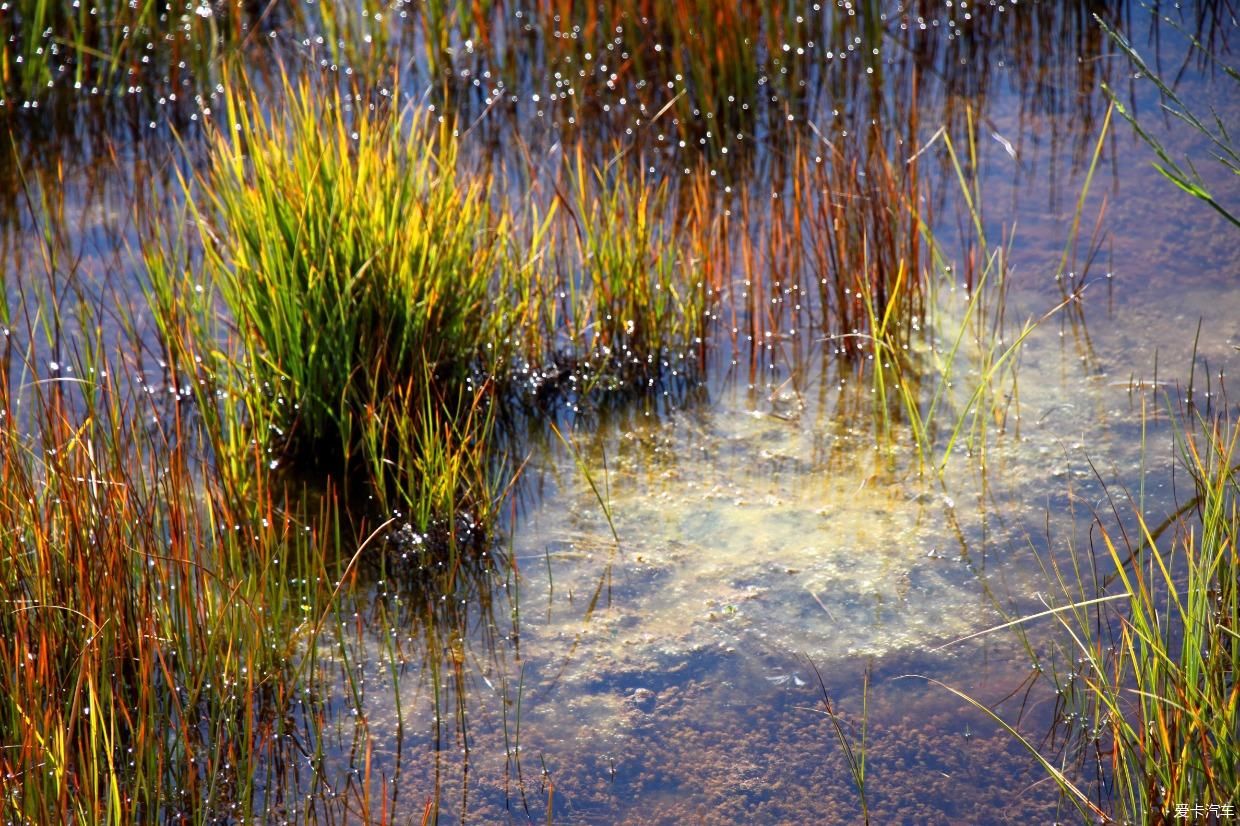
359 269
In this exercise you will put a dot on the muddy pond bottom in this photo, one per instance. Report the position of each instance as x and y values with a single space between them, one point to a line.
740 533
674 670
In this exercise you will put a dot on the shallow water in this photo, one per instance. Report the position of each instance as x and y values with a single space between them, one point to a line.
681 576
669 673
664 674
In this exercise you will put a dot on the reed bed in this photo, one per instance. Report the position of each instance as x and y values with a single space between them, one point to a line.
713 51
106 45
151 621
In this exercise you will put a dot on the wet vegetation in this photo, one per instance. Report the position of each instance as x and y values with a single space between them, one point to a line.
151 625
311 310
1155 688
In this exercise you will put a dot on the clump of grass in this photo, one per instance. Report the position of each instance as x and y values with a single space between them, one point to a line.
1157 669
359 269
378 295
608 288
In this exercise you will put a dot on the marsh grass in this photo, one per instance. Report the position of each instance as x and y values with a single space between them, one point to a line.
866 242
360 303
162 48
829 244
848 250
713 50
383 305
151 619
853 746
1152 702
646 294
955 393
1144 657
705 72
717 49
108 43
